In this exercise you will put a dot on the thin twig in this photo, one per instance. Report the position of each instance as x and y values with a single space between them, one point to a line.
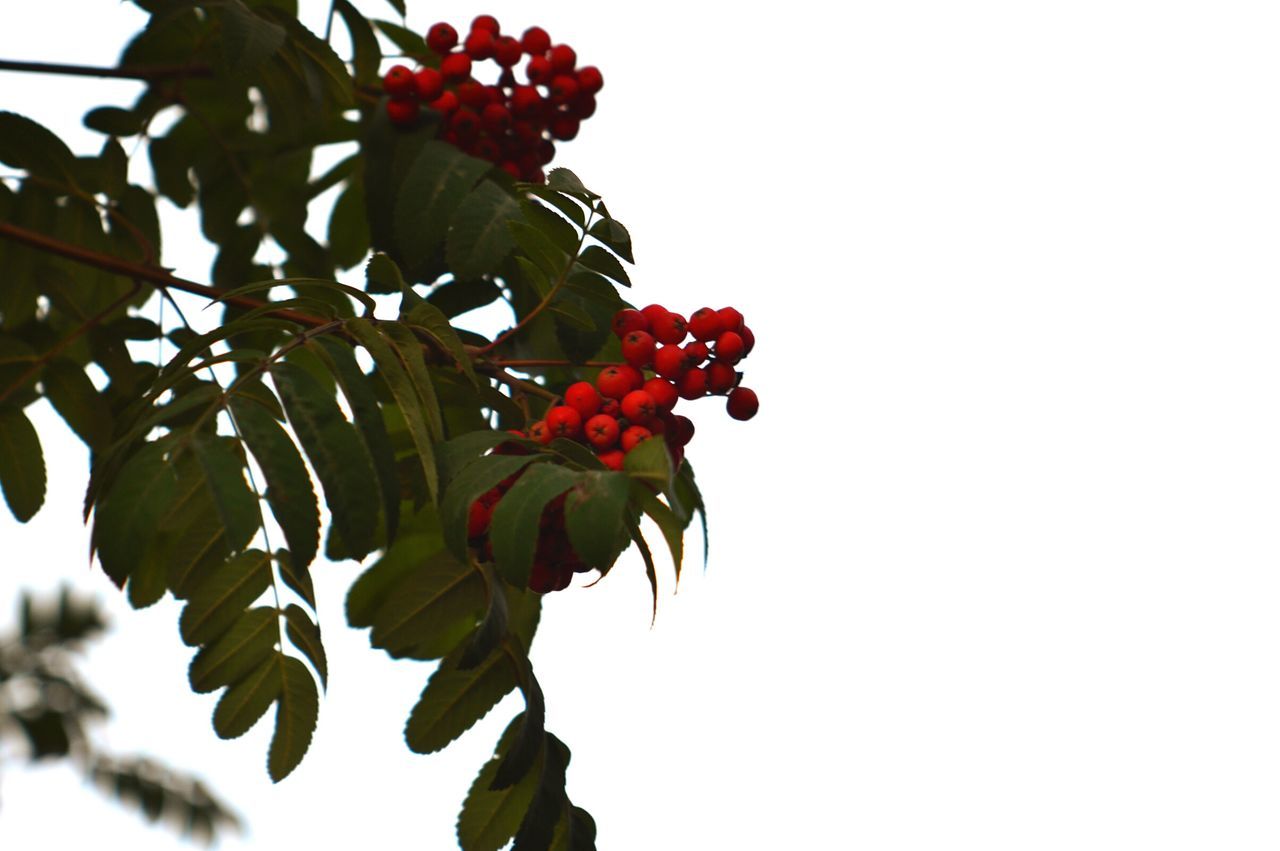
146 73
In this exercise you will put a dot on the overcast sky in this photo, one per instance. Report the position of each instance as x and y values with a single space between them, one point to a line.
996 565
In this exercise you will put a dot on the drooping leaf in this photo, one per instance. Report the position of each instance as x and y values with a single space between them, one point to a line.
29 146
525 750
364 44
594 516
490 818
249 640
126 517
74 397
596 258
467 487
455 454
305 635
667 522
377 583
514 527
432 320
454 700
615 237
246 701
549 802
113 121
247 40
296 710
223 465
221 596
431 610
479 238
22 473
563 180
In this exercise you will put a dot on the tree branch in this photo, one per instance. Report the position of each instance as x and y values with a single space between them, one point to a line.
148 73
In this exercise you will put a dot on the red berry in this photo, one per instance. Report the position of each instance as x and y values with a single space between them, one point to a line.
669 361
507 51
695 353
612 459
442 37
564 128
473 94
479 44
679 430
545 151
429 83
583 398
496 118
590 80
466 124
748 340
563 88
633 436
582 107
563 58
731 317
538 71
638 405
742 403
602 431
511 169
706 324
670 329
445 104
627 320
539 432
693 384
486 149
664 393
487 23
402 112
637 348
611 407
542 578
564 421
720 377
729 347
526 102
613 382
653 313
478 518
398 82
535 41
456 66
634 376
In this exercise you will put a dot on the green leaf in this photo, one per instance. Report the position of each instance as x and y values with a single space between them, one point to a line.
348 227
22 474
297 580
430 319
368 54
690 497
409 41
615 237
247 40
337 454
223 465
540 249
455 454
549 802
668 523
249 640
479 238
532 734
486 637
376 584
515 525
219 598
490 818
563 180
454 700
467 487
246 701
358 389
575 832
650 569
559 232
596 258
27 145
113 121
431 610
565 205
650 461
125 520
435 185
289 491
296 712
458 297
594 512
305 635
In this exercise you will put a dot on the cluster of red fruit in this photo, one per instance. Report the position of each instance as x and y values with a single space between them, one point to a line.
624 408
507 123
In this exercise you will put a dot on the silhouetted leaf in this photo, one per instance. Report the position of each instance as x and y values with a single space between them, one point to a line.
305 635
247 40
615 237
431 609
490 818
364 44
126 515
223 465
74 397
438 180
430 319
454 700
538 828
479 238
248 641
296 711
596 258
594 512
246 701
22 474
222 596
29 146
113 121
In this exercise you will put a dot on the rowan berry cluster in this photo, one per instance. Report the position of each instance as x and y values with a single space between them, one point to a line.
507 123
626 406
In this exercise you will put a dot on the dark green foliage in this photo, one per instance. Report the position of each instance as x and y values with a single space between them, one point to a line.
22 475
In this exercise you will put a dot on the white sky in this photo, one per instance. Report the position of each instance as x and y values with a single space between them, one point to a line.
996 565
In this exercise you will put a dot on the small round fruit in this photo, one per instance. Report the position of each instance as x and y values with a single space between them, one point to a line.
473 95
679 430
535 41
565 128
487 23
445 104
613 459
456 66
669 362
638 348
720 377
564 421
479 44
507 51
429 83
563 88
629 319
478 518
634 376
602 431
696 352
526 102
402 111
538 71
671 328
563 58
442 37
613 382
496 118
638 405
653 313
583 398
398 81
693 384
706 324
611 407
748 340
730 347
664 393
742 403
731 317
634 436
590 80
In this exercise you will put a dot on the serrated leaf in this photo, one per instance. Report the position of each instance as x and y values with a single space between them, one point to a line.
539 248
559 232
247 40
563 180
246 701
615 237
299 581
650 569
562 203
455 454
486 637
409 41
596 258
467 487
223 466
288 484
490 818
220 597
458 297
22 473
454 700
650 461
690 498
575 832
249 640
305 635
538 828
515 525
594 516
668 523
434 186
126 517
430 319
431 610
348 227
296 712
376 584
336 452
524 752
479 238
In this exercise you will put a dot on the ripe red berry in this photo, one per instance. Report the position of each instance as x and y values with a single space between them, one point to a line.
612 459
479 44
670 328
638 405
538 71
496 118
564 128
539 432
563 88
511 169
403 111
398 81
720 377
478 518
507 51
613 382
669 361
583 398
729 347
582 107
445 104
611 407
653 313
563 58
442 37
695 353
633 375
679 430
633 436
748 340
526 102
542 577
590 80
535 41
693 384
731 317
486 149
545 151
638 348
742 403
429 83
627 320
564 421
456 66
664 393
602 431
473 94
488 23
466 124
706 324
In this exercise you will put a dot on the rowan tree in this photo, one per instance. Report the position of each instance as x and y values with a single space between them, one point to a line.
472 474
